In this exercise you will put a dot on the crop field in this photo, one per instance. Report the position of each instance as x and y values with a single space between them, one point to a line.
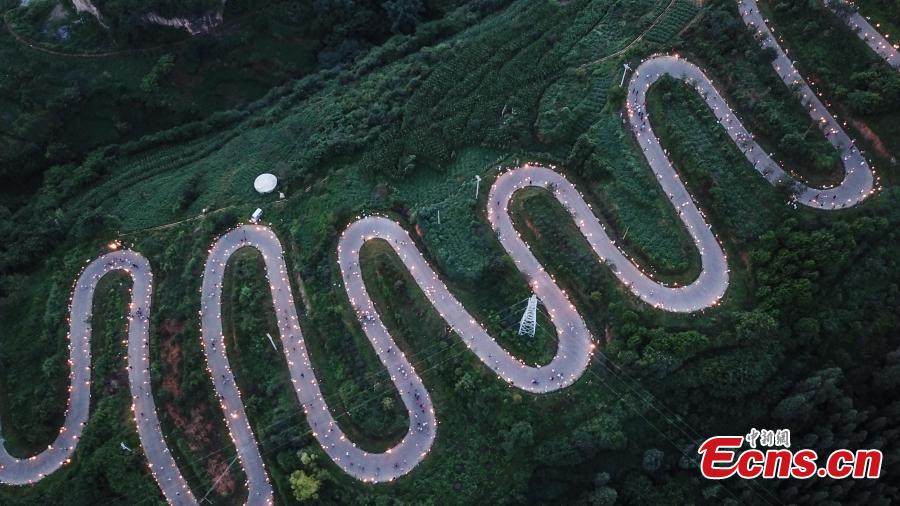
402 129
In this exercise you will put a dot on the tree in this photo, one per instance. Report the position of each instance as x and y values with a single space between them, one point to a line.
519 436
404 15
615 97
653 459
864 101
305 487
603 496
164 66
307 481
333 6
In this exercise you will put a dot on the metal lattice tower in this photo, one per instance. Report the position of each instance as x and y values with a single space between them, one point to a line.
528 323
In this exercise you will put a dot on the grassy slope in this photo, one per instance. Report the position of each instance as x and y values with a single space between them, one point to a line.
477 105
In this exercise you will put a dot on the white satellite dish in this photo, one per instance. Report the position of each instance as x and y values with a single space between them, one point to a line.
265 183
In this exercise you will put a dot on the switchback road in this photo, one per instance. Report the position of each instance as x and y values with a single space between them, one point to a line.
16 471
872 37
575 344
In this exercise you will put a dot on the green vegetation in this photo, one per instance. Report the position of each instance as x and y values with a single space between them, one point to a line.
99 466
397 118
886 13
186 402
721 43
707 158
865 88
57 108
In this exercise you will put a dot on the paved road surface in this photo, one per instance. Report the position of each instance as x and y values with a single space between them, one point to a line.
575 346
859 180
15 471
704 292
575 342
873 38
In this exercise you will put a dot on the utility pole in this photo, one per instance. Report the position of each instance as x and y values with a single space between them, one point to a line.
528 323
439 217
272 341
477 184
122 445
627 68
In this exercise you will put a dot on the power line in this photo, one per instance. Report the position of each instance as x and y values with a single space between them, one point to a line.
300 410
347 412
218 478
653 402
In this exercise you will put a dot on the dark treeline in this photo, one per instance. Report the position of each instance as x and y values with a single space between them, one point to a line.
400 116
119 98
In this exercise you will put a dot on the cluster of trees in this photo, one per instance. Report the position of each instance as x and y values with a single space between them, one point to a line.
368 19
163 67
873 92
725 47
841 64
306 482
889 7
815 354
57 113
45 96
802 337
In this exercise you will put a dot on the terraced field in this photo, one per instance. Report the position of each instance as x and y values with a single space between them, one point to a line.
494 91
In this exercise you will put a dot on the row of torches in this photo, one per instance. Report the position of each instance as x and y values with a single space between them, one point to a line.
419 439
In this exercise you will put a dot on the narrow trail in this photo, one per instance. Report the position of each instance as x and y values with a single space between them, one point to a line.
35 46
636 40
576 344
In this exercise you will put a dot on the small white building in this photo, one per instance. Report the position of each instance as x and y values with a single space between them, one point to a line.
254 218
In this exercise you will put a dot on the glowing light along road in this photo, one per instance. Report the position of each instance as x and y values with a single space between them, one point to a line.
859 179
872 37
574 350
575 345
15 471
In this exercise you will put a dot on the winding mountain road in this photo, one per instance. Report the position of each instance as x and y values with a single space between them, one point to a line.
872 37
15 471
575 344
574 351
859 179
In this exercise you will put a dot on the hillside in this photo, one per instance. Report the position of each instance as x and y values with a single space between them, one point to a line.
399 123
